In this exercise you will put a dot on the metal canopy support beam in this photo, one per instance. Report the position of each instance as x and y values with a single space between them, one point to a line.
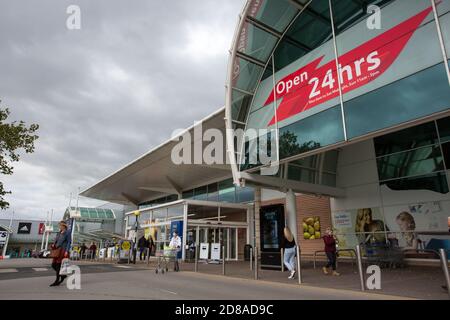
296 186
174 185
130 198
167 190
251 59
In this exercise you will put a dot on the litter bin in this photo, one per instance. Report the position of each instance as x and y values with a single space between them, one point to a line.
247 248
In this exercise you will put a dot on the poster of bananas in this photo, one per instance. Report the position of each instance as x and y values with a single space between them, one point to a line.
311 228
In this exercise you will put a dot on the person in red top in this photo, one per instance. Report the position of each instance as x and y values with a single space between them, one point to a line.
330 250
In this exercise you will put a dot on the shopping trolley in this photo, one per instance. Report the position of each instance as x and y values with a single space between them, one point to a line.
165 257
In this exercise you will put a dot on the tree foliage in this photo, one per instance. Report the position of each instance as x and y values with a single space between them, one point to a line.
15 137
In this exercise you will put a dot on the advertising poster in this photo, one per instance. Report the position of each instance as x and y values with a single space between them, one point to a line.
419 225
311 228
270 231
358 226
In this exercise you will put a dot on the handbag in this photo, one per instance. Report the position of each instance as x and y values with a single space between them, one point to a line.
64 271
55 253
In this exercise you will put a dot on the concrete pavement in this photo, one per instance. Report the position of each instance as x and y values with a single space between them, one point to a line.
146 284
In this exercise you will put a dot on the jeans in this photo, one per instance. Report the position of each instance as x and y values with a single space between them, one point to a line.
289 258
331 257
142 252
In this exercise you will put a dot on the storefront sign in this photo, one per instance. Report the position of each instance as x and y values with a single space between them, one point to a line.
204 251
215 251
342 220
311 85
3 237
24 228
41 228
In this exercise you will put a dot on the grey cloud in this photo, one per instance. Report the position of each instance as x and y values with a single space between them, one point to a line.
109 92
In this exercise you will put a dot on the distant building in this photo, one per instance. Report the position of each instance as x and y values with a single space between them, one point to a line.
25 236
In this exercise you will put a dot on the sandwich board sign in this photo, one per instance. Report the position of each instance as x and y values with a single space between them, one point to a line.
215 251
204 251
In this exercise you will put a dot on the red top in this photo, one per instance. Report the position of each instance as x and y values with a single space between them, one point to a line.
330 243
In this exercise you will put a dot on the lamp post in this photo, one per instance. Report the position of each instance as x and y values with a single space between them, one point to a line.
136 227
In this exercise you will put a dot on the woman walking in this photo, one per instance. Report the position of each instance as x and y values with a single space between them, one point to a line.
330 249
60 249
289 251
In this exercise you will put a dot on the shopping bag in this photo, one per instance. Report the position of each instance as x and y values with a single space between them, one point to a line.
55 253
64 271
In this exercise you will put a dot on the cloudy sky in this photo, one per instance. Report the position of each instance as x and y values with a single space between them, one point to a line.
107 93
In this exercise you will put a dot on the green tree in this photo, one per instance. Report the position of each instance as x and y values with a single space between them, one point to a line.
14 137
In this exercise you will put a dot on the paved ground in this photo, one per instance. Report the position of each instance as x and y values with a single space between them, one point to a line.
112 281
29 279
413 282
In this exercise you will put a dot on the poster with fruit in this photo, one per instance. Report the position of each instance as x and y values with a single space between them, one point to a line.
311 228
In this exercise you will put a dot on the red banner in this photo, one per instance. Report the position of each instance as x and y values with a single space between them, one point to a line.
311 86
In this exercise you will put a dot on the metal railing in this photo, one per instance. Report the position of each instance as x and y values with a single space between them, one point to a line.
337 253
256 263
299 265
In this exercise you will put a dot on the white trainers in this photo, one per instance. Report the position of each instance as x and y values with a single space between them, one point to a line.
292 274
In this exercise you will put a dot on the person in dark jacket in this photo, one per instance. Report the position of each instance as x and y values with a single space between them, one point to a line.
83 249
142 245
60 250
150 245
290 249
330 250
93 250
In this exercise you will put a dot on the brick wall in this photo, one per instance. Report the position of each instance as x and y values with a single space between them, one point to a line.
308 206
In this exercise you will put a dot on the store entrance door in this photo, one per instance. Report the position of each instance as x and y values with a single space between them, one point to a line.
227 236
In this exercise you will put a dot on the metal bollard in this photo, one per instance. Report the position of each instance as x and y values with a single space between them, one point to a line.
129 254
223 260
299 266
196 259
444 264
251 258
282 259
360 268
256 263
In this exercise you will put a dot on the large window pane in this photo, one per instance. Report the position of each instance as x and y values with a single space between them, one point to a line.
316 131
411 163
245 194
189 194
410 138
239 105
259 44
446 154
227 192
213 193
444 129
413 97
245 75
276 14
380 68
434 182
201 193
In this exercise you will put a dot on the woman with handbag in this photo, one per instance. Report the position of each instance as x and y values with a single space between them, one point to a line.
60 250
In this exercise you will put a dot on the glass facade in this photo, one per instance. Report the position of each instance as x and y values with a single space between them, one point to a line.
414 158
330 87
318 169
223 191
